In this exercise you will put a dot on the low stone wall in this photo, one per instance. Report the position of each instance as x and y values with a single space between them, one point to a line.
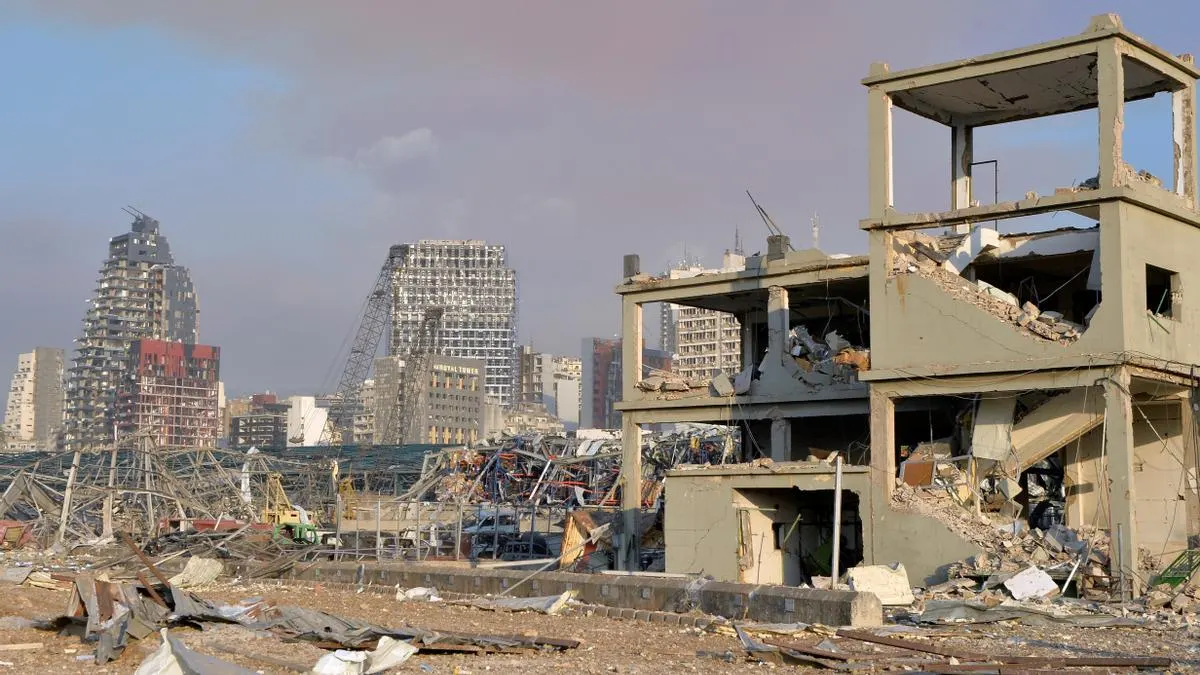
773 604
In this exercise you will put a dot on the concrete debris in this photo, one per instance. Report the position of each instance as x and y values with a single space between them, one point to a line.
723 386
888 582
832 361
198 572
1004 305
1031 583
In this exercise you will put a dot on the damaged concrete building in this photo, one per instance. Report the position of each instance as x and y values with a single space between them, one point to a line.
936 355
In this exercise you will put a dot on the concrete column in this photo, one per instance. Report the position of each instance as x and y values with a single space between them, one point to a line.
879 143
1183 131
1110 81
781 439
749 355
778 321
1119 456
631 348
961 154
1188 409
883 447
631 491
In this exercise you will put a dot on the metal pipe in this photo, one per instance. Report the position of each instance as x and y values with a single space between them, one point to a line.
834 567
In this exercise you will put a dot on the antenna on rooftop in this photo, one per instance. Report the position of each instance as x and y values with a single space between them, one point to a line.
816 231
737 240
771 226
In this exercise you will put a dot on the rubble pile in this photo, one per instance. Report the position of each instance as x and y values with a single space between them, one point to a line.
922 257
939 505
832 361
667 383
1008 547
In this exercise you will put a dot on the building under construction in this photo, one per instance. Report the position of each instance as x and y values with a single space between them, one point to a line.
170 396
141 294
472 281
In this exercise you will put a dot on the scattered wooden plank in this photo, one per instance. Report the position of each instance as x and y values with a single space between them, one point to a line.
915 646
141 577
145 560
1001 659
21 647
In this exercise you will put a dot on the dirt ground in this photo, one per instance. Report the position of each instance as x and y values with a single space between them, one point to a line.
608 645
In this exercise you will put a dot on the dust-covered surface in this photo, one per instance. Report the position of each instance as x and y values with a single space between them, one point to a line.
608 645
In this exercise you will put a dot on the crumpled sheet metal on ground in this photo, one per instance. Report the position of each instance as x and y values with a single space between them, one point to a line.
313 625
963 611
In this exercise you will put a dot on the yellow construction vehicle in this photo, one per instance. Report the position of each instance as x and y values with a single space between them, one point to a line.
290 521
349 498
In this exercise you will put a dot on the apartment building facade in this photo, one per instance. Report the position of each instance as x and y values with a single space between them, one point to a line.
34 410
472 282
170 397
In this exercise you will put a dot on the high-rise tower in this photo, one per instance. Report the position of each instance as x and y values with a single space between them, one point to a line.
33 416
141 294
473 282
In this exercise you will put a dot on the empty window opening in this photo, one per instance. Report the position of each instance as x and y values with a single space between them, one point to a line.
1147 146
1161 287
788 534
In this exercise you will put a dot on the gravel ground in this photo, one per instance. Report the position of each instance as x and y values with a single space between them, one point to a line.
608 645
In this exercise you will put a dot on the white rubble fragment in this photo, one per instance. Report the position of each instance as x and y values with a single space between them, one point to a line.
418 593
888 582
1030 583
341 662
172 658
197 572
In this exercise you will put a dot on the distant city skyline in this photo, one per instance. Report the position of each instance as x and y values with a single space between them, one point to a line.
285 167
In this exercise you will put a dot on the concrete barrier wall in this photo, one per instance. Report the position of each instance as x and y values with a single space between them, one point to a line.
775 604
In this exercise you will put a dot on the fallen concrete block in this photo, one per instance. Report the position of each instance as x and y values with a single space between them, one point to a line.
741 383
1031 583
722 386
1050 318
653 383
888 582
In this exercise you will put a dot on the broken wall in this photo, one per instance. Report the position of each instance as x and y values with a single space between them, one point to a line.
1148 238
1162 490
939 323
702 523
924 545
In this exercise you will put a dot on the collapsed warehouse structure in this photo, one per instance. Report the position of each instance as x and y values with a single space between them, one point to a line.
938 356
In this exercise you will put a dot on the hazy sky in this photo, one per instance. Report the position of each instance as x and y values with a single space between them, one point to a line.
285 145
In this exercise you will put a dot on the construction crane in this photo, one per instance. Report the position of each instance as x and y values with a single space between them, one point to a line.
347 401
403 423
